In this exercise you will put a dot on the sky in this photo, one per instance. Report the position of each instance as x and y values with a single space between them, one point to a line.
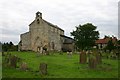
16 15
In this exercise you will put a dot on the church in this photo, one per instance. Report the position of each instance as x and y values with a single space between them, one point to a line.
43 34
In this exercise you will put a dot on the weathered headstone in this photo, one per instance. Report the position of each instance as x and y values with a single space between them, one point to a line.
92 61
23 66
98 58
43 68
7 60
13 61
83 57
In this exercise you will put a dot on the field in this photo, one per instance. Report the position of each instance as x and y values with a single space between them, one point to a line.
60 66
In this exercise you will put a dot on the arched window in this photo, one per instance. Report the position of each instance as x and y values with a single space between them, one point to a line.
38 21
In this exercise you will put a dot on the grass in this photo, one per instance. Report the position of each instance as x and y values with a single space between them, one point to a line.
60 66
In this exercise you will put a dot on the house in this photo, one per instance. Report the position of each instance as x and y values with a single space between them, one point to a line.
102 43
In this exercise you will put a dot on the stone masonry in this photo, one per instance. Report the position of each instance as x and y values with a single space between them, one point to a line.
42 34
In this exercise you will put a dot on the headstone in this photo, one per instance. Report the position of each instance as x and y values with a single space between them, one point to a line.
43 68
13 61
83 57
7 60
23 66
92 62
98 58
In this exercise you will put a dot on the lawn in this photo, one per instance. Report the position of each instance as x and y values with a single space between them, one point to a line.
60 66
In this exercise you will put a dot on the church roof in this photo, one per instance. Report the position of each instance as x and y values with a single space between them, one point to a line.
55 26
67 40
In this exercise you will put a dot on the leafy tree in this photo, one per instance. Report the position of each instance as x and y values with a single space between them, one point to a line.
85 36
118 44
110 45
9 47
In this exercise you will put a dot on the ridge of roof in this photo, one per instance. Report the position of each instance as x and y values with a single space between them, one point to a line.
66 37
48 24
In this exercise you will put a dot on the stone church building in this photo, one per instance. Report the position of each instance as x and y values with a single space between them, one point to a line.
43 34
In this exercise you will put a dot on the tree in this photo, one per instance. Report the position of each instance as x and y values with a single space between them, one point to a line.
9 47
85 36
118 44
110 45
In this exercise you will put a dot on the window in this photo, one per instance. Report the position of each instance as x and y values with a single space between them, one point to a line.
38 21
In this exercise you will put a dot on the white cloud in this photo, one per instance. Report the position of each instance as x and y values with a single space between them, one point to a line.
16 15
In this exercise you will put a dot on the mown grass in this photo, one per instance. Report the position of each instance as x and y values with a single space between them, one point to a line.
61 66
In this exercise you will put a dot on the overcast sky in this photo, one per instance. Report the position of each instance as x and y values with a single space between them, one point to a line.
16 15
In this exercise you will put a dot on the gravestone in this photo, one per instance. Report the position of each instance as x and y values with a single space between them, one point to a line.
98 58
43 68
7 59
23 66
92 61
13 61
83 57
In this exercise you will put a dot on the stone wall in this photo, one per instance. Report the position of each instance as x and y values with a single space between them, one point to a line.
25 41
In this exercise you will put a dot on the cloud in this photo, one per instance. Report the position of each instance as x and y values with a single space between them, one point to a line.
16 15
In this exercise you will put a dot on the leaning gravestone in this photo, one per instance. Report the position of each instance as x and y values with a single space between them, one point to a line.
83 57
43 68
13 61
92 61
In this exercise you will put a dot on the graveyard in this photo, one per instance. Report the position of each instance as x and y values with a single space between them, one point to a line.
58 64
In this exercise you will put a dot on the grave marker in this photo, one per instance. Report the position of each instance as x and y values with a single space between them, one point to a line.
43 68
83 57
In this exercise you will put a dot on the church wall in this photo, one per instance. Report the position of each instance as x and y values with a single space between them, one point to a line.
25 39
39 33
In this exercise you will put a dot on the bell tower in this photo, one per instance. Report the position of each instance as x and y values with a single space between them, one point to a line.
39 15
